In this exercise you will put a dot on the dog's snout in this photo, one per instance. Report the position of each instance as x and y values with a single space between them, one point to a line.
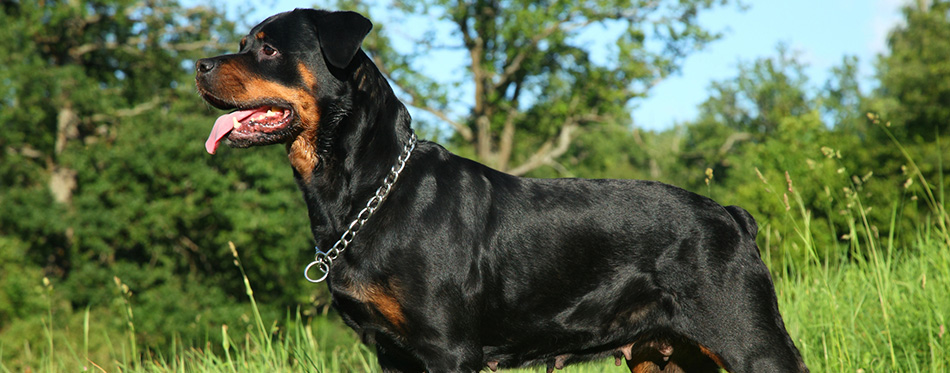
204 65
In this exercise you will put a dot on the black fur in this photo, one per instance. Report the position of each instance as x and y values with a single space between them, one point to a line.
465 267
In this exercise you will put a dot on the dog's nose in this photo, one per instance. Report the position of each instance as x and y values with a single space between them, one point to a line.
204 65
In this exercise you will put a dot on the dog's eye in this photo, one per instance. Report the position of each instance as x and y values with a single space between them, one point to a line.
268 51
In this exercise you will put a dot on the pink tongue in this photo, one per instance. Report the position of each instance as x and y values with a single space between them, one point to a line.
223 125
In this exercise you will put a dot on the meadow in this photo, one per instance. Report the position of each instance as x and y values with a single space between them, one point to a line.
863 305
115 224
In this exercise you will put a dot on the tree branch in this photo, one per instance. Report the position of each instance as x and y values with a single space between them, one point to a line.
129 46
26 151
482 122
732 140
516 62
482 19
512 68
549 150
130 112
506 144
463 130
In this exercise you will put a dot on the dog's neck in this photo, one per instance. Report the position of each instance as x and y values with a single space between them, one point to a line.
363 129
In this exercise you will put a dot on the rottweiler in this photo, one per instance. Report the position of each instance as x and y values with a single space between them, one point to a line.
446 265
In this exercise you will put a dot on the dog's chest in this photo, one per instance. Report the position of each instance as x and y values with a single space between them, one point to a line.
371 306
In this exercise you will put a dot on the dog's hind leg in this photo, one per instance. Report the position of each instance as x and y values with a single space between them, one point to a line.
737 322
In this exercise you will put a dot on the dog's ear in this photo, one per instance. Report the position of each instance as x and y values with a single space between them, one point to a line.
341 34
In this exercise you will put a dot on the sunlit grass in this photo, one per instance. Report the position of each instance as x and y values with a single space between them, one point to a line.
864 305
881 311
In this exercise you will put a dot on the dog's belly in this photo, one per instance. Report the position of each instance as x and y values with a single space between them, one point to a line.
594 324
537 271
585 278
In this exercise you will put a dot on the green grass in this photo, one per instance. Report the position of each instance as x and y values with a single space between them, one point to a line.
880 311
865 305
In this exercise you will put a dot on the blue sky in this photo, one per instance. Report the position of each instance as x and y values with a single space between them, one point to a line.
820 32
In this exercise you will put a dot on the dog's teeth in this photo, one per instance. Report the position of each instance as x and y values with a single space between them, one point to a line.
237 124
272 111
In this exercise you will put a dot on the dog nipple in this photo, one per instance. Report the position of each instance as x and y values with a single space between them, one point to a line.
666 350
627 351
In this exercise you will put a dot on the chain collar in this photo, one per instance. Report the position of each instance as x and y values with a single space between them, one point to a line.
323 260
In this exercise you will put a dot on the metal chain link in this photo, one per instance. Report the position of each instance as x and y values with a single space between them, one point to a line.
323 260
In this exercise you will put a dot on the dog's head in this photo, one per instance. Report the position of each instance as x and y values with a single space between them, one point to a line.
273 84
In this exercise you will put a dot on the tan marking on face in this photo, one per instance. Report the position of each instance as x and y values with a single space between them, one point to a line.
236 84
243 42
259 35
308 78
302 152
363 76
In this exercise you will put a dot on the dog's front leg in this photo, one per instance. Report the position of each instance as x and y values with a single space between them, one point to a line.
460 358
395 359
430 358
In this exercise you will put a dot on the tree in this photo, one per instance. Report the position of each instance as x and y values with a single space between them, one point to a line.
915 75
764 129
754 107
843 100
73 73
103 173
73 70
912 103
535 71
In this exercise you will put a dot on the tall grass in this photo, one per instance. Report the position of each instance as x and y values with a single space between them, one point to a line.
864 305
870 307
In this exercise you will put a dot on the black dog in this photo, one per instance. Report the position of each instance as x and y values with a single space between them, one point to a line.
454 267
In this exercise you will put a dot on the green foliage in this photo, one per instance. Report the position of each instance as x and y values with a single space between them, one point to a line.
764 126
104 175
868 306
916 73
535 78
771 120
106 191
19 288
842 100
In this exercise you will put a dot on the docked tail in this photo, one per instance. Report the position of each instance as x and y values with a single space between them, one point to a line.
745 219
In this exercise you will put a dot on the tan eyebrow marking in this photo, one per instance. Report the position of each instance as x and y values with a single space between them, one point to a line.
259 35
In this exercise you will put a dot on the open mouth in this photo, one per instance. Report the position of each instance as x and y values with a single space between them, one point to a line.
249 127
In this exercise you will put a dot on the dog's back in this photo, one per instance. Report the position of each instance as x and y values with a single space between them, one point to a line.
446 265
